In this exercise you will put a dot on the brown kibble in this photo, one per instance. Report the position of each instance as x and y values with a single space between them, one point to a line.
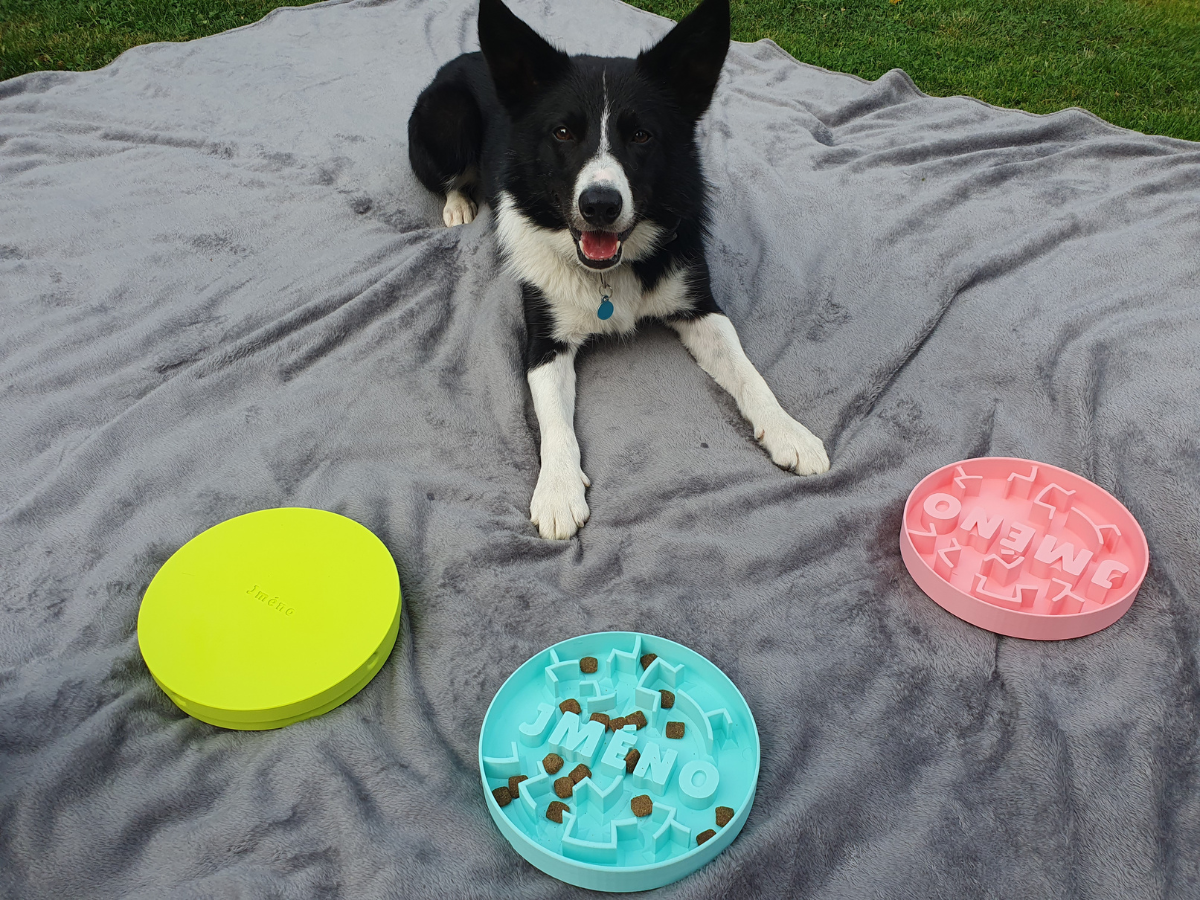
631 759
603 719
668 699
638 718
564 787
514 785
503 796
724 814
552 763
674 730
641 805
555 810
571 705
617 724
704 836
647 659
579 773
588 665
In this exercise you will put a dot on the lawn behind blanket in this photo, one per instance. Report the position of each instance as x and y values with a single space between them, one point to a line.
1135 63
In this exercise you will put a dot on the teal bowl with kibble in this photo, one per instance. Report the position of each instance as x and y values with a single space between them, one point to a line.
619 761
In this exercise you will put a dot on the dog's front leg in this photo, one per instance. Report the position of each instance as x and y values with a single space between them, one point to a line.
711 339
559 507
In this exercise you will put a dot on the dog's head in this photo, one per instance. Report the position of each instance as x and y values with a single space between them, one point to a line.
602 146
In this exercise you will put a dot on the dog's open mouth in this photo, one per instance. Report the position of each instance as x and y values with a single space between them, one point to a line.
599 249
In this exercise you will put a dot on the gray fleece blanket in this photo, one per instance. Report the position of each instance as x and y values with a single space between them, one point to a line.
222 289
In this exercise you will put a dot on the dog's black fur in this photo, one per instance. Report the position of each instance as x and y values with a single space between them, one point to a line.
592 170
495 113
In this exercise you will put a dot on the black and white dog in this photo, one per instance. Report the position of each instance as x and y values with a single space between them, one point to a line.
591 168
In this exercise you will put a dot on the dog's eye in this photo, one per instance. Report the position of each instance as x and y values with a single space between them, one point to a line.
563 133
640 137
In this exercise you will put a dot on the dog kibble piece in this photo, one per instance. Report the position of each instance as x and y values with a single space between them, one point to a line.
616 724
571 705
555 810
647 659
603 719
641 805
588 665
552 763
674 730
668 699
724 814
563 787
631 759
579 773
514 785
503 796
638 719
704 836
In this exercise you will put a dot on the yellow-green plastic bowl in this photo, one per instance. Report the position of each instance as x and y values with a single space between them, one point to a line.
270 618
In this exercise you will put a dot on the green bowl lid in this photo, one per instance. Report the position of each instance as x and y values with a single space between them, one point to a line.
270 618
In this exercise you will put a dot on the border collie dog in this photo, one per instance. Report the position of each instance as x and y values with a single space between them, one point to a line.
591 168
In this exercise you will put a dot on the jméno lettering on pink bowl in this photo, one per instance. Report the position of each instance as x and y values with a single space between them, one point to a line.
1023 548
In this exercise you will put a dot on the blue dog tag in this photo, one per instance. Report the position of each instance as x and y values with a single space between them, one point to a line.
606 308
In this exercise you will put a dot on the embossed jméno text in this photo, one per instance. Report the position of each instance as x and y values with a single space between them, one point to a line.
276 603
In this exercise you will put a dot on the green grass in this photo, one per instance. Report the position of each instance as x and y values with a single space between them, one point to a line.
86 34
1135 63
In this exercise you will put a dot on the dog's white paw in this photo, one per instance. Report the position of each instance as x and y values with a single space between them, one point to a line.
559 507
459 209
791 445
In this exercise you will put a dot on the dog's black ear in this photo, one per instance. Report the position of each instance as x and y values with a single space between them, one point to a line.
522 63
689 58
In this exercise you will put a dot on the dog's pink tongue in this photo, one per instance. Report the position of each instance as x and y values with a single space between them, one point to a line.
599 244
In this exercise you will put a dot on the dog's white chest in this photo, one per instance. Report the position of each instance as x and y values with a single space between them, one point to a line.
576 304
546 258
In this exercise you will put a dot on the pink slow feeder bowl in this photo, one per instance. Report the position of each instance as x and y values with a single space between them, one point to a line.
1023 548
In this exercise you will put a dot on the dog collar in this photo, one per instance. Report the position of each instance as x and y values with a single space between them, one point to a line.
606 307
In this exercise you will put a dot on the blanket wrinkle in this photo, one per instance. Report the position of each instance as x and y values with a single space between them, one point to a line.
1041 139
987 427
857 412
340 315
893 88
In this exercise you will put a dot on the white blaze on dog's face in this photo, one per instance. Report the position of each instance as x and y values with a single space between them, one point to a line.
603 200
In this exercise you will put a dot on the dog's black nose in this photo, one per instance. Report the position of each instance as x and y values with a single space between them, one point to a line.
600 205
